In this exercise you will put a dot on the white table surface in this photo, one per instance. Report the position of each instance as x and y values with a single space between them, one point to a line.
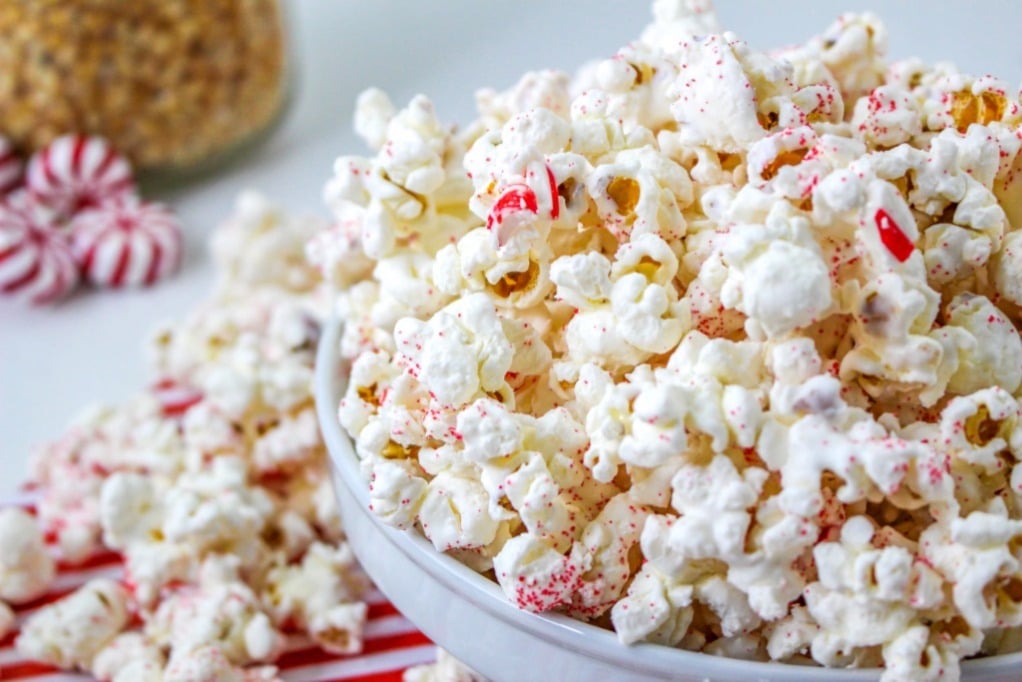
54 361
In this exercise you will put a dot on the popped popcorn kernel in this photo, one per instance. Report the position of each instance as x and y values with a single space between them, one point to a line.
58 633
968 108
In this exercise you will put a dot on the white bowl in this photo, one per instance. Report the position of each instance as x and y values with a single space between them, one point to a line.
468 614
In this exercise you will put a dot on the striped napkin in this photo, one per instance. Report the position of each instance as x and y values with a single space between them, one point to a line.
392 643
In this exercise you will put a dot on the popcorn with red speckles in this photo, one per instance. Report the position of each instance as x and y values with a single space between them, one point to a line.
321 595
210 663
70 632
990 352
227 616
764 311
974 554
26 567
72 469
260 244
865 596
852 51
776 274
888 117
411 190
129 656
627 310
535 90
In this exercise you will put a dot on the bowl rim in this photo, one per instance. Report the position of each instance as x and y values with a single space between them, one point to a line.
330 381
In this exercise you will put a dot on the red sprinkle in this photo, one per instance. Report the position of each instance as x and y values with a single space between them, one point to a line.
892 236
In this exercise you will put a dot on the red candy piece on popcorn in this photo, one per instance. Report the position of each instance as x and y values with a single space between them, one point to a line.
10 166
174 397
126 242
75 172
893 238
518 203
36 261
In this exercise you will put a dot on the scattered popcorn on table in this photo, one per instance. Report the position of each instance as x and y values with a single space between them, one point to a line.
213 484
719 348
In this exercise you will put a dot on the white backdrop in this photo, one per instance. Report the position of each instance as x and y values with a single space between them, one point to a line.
55 361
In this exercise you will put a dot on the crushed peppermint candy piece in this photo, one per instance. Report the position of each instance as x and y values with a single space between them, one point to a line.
892 236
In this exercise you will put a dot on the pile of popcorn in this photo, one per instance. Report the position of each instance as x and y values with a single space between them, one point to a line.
711 346
213 485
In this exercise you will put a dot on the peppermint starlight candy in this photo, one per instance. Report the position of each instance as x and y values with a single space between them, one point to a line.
10 166
36 261
75 172
126 242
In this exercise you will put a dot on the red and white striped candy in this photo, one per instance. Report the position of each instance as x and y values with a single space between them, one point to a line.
36 261
75 172
126 242
10 166
175 398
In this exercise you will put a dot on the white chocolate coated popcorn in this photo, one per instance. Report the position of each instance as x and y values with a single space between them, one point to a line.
226 616
70 632
721 343
26 568
129 656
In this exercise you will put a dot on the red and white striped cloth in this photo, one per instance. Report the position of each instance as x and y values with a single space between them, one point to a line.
392 643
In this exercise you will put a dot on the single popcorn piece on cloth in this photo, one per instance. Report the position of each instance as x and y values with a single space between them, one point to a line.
26 568
126 242
37 260
70 632
714 347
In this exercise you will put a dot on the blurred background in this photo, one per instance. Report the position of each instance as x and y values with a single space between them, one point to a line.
55 361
